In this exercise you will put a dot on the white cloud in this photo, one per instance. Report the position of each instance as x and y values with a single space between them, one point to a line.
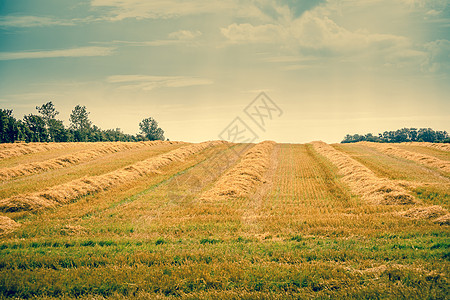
438 56
141 9
30 21
147 83
184 37
248 33
312 31
73 52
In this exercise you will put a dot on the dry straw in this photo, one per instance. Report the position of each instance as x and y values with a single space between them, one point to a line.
72 159
427 213
423 159
435 213
243 178
362 181
19 149
442 147
7 225
69 192
444 220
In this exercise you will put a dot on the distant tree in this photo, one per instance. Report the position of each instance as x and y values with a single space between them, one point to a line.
80 123
57 131
9 131
150 130
37 130
426 135
48 113
400 136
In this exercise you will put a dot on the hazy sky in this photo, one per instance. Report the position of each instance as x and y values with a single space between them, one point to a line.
332 67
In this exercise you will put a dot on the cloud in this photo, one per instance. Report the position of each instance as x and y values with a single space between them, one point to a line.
147 83
248 33
142 9
438 56
31 21
184 37
312 32
73 52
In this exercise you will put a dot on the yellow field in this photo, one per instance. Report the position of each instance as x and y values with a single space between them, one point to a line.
222 220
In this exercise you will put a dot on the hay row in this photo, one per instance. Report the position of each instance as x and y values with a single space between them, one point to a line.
439 146
72 159
20 149
243 178
362 181
436 213
7 225
423 159
71 191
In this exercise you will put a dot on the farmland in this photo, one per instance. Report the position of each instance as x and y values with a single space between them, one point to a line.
224 220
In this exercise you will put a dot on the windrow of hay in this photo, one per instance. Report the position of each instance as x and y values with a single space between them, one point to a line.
72 159
7 225
444 220
423 159
436 213
68 192
73 230
362 181
439 146
19 149
243 178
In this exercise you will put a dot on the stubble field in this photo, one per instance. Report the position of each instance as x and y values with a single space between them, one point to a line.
222 220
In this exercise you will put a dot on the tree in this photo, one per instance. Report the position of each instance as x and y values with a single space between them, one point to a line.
149 128
9 131
57 132
37 129
49 113
400 136
80 123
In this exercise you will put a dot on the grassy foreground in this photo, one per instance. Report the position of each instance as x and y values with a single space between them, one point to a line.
300 234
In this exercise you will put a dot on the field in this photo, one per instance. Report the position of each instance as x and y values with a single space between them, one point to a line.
220 220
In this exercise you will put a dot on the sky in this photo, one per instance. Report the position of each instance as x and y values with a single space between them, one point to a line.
327 68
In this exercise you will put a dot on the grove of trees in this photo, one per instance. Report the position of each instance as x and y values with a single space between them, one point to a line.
401 135
44 127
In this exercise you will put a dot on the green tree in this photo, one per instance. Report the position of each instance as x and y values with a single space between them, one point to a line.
49 113
37 129
9 131
57 131
80 123
150 130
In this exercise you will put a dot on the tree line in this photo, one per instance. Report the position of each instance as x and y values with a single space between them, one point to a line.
401 135
45 127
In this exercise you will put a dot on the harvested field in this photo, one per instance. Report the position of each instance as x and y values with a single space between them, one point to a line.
427 213
443 147
363 181
7 225
218 220
73 190
72 159
20 149
243 178
423 159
